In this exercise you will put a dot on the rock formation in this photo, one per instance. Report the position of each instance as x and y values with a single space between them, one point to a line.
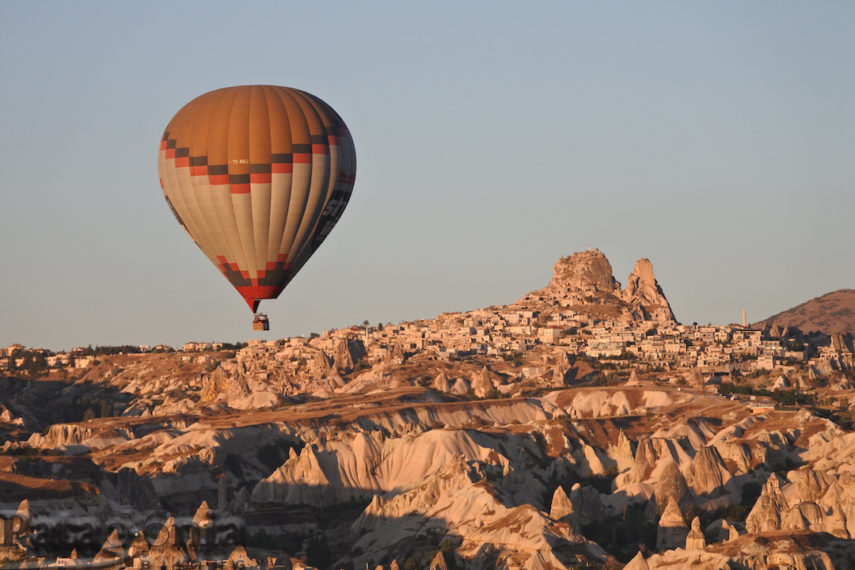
644 294
240 559
438 562
670 484
672 528
587 504
112 548
586 272
766 513
440 382
584 282
166 550
633 380
561 508
461 431
708 473
482 383
637 563
695 540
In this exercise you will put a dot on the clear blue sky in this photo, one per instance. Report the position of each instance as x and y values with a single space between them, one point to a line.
715 138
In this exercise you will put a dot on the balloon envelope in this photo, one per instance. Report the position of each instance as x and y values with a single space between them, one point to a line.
257 175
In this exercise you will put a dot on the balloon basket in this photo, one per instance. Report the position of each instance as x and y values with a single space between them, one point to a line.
260 323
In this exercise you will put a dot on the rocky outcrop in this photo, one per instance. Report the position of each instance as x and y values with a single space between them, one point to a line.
135 490
482 383
812 501
363 465
112 548
561 508
637 563
671 486
622 452
644 294
438 562
347 353
167 550
80 437
766 513
672 529
587 505
633 380
777 551
695 540
587 272
707 473
440 382
461 500
584 282
239 558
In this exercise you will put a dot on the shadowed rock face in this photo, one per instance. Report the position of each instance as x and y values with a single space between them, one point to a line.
708 473
671 485
672 529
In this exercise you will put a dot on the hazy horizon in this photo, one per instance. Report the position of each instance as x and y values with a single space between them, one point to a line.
491 139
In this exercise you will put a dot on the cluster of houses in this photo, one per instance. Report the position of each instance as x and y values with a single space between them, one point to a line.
641 344
505 331
15 355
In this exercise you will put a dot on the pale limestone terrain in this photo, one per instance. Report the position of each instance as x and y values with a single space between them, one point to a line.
348 451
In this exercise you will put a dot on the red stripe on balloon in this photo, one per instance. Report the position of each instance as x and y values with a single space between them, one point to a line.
259 292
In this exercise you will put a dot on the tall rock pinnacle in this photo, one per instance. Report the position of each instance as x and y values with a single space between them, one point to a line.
644 293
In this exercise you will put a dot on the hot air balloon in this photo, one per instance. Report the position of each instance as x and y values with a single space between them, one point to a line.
257 175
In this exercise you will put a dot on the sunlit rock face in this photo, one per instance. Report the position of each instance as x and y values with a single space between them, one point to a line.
695 539
644 294
583 272
584 281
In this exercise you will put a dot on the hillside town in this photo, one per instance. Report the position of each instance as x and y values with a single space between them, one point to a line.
533 331
580 426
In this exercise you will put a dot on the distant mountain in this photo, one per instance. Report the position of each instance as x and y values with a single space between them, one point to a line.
832 313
